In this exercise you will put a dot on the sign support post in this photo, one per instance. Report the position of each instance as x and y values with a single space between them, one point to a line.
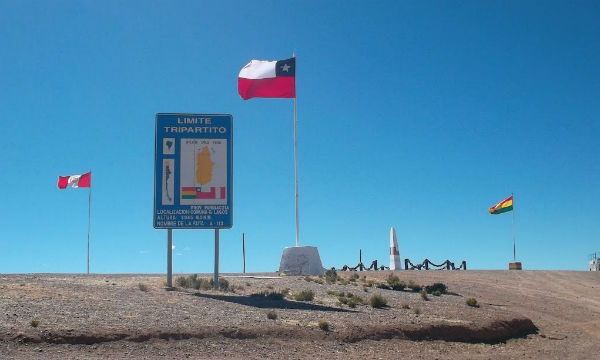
216 275
169 258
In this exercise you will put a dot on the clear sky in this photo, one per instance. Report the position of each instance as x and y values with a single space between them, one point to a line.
413 114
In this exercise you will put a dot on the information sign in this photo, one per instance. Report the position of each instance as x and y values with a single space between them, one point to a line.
193 171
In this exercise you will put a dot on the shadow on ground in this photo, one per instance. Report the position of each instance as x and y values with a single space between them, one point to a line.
266 303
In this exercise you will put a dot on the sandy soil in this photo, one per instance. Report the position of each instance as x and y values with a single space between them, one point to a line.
522 314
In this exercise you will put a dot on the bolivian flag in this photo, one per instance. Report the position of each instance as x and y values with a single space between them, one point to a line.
503 206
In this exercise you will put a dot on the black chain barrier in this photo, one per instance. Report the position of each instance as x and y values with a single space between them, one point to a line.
408 265
362 267
426 264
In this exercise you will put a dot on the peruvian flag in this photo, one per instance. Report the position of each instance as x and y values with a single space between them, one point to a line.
268 79
75 181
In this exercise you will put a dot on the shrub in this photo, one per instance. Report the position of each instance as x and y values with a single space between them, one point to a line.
382 286
319 281
270 287
335 293
181 282
194 282
34 323
472 302
398 287
424 295
204 284
392 280
304 295
324 325
343 281
271 315
354 277
416 311
377 301
355 300
143 287
437 293
350 300
285 292
307 279
436 287
405 306
223 284
331 276
414 287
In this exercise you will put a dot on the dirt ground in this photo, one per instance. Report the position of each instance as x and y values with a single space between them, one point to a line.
521 314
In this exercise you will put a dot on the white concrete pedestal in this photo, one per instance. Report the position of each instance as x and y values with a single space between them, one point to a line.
301 260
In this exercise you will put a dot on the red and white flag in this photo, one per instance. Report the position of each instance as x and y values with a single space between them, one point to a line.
75 181
268 79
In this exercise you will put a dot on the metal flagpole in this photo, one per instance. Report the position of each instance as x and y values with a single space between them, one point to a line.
89 222
244 250
296 167
513 230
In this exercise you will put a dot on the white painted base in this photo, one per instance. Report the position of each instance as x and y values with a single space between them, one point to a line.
301 260
395 263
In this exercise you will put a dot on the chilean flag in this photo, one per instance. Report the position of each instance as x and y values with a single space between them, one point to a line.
268 79
75 181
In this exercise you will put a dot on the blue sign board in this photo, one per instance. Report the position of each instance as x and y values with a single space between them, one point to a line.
193 171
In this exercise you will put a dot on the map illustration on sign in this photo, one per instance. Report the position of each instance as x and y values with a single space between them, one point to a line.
203 172
168 182
169 146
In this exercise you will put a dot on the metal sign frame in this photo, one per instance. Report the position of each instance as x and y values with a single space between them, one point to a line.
193 171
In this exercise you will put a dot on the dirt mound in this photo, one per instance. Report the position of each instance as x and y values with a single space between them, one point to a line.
495 332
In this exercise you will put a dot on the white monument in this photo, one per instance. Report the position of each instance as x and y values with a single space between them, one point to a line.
301 260
394 251
595 263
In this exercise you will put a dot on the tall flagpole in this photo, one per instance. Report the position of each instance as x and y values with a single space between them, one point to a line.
296 171
89 222
296 157
513 230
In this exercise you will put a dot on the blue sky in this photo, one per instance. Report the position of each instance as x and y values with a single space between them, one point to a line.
413 114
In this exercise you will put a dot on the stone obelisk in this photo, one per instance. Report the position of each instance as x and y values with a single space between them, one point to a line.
394 251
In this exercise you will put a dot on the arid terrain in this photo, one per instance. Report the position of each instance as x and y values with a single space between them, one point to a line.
521 314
